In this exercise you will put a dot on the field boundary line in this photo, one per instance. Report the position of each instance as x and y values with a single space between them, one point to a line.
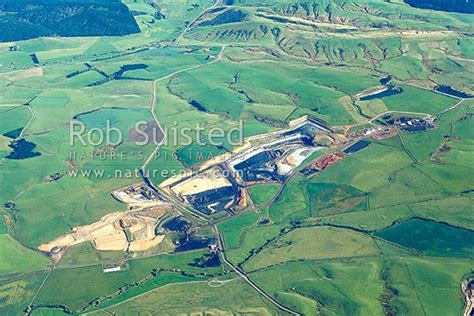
153 101
144 293
190 24
452 107
407 151
29 122
414 288
41 286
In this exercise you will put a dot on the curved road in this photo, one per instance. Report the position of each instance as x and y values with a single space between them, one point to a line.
244 276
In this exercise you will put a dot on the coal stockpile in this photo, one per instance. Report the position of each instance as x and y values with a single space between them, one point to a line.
308 171
307 130
408 124
261 167
414 125
188 243
177 224
213 201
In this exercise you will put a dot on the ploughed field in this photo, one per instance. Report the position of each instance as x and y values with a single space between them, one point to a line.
352 195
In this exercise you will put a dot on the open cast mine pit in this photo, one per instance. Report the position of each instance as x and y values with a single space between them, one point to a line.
120 231
138 195
219 185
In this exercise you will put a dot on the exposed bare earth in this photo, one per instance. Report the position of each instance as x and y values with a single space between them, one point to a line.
119 231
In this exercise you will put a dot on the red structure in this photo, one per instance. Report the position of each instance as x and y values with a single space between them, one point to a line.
328 160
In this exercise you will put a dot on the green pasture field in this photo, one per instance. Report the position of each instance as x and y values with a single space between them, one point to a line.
368 220
346 181
329 199
234 296
455 73
86 192
84 79
242 234
162 29
12 118
160 61
253 127
22 177
87 202
431 141
451 178
250 84
86 254
233 229
63 50
310 243
262 193
418 100
372 107
431 238
368 168
252 239
292 204
405 68
174 112
87 283
12 61
346 81
3 226
17 292
86 280
409 185
17 259
327 285
163 279
16 95
426 285
418 285
278 114
447 210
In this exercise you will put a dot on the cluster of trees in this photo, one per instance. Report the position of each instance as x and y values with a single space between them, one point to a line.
462 6
25 19
229 16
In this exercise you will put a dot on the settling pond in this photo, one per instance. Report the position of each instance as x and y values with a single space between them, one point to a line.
452 92
383 94
361 144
